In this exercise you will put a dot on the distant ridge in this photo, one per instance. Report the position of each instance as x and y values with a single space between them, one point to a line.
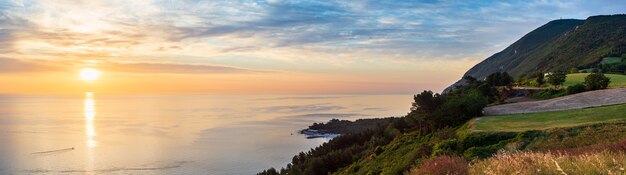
558 45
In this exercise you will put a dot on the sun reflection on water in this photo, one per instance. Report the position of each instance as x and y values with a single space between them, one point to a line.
90 129
90 114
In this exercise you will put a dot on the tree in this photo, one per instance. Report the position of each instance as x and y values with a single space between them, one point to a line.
499 79
470 80
506 79
596 81
573 70
557 78
539 78
426 102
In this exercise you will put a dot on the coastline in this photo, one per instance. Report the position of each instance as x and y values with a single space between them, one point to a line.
312 134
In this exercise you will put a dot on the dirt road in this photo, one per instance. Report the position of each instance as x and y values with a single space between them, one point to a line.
576 101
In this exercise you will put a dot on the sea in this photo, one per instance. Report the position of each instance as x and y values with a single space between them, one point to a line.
92 133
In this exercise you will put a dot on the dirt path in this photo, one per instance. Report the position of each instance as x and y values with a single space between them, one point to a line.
576 101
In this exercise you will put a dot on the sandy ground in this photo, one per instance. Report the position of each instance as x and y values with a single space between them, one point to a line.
576 101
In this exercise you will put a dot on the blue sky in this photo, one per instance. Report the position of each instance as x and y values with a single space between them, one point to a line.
350 43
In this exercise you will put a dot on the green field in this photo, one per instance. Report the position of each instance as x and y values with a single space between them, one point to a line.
617 81
611 60
545 120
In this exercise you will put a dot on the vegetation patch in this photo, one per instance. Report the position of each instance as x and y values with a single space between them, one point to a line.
546 120
617 81
611 60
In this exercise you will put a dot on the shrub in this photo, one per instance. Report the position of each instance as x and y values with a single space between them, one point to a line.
577 88
548 94
596 81
485 139
443 165
480 152
446 147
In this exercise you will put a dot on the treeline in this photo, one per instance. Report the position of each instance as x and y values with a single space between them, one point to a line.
337 126
429 112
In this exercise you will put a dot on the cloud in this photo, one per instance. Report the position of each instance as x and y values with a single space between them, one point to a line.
8 65
272 32
177 68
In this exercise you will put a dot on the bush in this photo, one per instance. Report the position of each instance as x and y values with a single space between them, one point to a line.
577 88
446 147
548 94
596 81
480 152
485 139
443 165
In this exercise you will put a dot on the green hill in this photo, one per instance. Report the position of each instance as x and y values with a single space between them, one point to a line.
533 42
559 45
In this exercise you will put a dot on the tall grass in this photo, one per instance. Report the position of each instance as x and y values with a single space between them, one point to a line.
606 159
605 162
442 165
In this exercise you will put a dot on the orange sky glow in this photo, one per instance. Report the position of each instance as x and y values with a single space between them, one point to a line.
250 46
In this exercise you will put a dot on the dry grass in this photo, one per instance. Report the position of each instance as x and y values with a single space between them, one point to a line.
442 165
604 162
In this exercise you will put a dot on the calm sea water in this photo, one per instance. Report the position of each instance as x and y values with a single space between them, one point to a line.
169 134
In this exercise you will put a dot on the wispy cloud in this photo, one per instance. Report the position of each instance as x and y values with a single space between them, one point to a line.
385 39
174 68
8 65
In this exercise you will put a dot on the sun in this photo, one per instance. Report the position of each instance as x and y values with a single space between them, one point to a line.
89 74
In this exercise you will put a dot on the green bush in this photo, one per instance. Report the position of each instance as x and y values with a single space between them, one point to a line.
479 152
577 88
446 147
548 94
485 139
597 81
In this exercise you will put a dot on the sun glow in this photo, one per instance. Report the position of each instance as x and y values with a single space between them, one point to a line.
89 74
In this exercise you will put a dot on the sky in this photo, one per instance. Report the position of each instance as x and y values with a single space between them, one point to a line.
273 46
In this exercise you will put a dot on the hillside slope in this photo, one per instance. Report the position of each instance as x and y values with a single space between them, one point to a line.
516 53
558 45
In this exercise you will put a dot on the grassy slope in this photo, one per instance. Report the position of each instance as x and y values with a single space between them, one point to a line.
617 81
396 157
611 60
545 120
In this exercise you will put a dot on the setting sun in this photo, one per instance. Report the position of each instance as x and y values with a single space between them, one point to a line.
89 74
